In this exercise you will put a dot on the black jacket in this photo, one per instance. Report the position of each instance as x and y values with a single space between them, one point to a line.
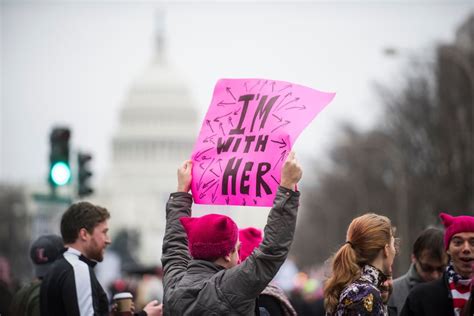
72 289
430 299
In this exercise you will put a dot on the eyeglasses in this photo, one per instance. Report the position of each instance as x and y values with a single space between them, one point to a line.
397 245
428 268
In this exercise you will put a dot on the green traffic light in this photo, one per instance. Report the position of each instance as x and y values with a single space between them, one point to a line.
60 173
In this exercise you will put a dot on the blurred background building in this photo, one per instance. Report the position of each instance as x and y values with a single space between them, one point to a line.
157 128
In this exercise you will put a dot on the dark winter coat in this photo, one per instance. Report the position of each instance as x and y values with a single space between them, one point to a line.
429 299
275 301
401 287
198 287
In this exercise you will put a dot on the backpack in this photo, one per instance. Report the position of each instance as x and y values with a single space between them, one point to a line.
26 301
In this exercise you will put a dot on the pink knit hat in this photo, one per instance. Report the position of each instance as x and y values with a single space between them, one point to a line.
250 238
454 225
210 236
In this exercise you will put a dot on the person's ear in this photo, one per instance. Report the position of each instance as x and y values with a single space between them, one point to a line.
446 258
386 250
413 259
83 234
227 258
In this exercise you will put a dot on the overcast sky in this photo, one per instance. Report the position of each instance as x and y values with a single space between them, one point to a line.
72 63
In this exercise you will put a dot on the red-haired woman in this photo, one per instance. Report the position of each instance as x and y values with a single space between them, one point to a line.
361 268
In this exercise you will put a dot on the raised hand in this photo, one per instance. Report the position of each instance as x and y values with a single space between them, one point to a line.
291 172
184 176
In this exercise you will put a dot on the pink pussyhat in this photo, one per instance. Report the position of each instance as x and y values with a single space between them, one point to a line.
454 225
211 236
250 238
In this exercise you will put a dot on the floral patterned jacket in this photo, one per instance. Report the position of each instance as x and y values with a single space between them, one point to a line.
362 297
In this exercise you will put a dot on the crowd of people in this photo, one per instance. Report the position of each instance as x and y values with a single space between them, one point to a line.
211 267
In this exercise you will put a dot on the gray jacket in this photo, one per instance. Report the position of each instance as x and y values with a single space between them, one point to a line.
198 287
401 287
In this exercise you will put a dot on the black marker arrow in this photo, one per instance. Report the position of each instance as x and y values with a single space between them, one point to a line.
286 123
275 179
200 153
278 118
285 87
229 119
227 200
230 92
203 193
219 117
222 103
258 82
282 158
210 186
214 196
212 171
237 111
203 173
263 85
206 158
300 107
219 162
294 100
208 123
282 143
222 128
209 139
207 183
282 100
201 165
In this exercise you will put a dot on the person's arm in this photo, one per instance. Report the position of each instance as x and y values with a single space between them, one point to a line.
76 301
249 278
175 256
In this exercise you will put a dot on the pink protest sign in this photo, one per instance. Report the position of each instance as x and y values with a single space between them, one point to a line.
246 135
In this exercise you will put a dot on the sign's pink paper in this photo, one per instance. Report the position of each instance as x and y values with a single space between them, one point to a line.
248 131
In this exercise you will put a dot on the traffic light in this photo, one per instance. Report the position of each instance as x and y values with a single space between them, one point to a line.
59 169
83 174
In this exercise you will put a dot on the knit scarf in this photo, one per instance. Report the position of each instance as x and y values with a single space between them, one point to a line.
460 289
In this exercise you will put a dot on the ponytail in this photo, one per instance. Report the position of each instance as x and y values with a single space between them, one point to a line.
366 236
344 271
